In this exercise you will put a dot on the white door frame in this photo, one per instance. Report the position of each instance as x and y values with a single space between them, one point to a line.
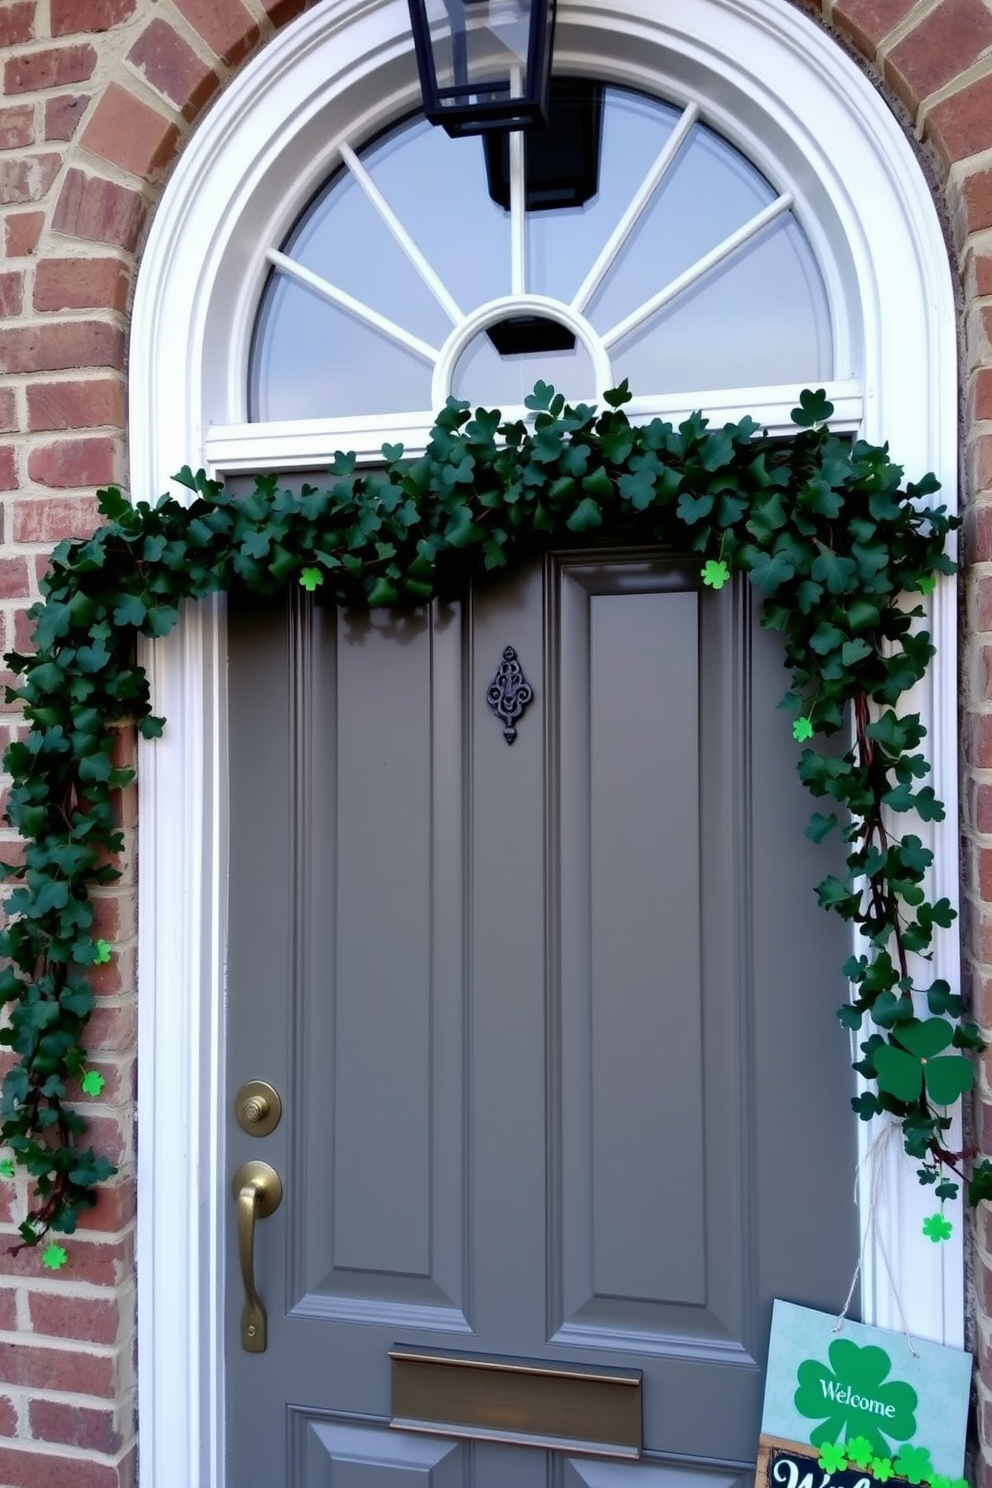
795 104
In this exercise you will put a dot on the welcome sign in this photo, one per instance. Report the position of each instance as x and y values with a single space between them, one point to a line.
848 1406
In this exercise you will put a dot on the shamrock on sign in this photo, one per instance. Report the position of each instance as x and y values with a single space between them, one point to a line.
859 1451
832 1458
913 1464
881 1469
917 1062
715 573
851 1398
54 1257
937 1228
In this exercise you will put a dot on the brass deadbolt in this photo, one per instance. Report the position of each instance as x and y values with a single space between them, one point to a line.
258 1108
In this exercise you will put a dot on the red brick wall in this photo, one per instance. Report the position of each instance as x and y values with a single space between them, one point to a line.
97 97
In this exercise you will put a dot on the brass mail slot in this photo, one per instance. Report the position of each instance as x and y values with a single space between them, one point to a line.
492 1398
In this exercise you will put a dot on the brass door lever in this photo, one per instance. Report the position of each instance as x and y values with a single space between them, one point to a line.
257 1189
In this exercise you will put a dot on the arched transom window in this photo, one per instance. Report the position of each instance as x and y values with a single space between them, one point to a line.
428 266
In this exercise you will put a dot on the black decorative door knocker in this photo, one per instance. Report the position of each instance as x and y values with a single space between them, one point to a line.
509 693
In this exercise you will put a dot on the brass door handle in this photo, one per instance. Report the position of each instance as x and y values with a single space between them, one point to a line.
258 1191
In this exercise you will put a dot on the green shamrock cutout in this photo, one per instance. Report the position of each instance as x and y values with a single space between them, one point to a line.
802 729
7 1167
938 1480
92 1083
310 578
907 1067
859 1451
881 1468
913 1464
832 1458
715 573
847 1397
54 1257
103 952
937 1228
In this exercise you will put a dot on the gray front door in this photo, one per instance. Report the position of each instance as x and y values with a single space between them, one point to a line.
538 1014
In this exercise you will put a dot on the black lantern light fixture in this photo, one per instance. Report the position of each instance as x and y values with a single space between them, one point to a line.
484 65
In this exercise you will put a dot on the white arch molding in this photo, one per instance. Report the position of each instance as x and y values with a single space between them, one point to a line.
779 88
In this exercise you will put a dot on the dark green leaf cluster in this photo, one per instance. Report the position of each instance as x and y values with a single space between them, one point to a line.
826 531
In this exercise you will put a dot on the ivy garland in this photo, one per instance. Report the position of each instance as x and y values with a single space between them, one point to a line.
825 530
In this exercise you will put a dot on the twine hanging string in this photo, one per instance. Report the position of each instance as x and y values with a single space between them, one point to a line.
874 1160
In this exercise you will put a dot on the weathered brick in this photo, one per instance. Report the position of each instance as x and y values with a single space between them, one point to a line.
977 740
55 67
16 126
8 411
62 115
57 348
98 210
75 462
28 179
940 47
225 25
867 21
17 23
76 405
282 11
115 1205
74 1426
126 132
31 1364
8 1417
21 233
26 1467
961 124
11 293
80 284
14 576
50 519
80 16
170 66
8 474
67 1316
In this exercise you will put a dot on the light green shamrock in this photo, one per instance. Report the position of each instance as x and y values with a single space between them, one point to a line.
911 1064
881 1468
310 578
832 1458
92 1083
913 1464
103 952
847 1396
802 729
715 573
937 1228
7 1167
938 1480
859 1450
54 1257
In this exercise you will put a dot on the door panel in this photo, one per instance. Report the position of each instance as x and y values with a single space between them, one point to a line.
533 1015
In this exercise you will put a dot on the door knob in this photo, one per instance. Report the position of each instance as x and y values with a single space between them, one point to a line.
258 1192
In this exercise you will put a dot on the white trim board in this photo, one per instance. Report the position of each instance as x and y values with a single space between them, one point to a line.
780 89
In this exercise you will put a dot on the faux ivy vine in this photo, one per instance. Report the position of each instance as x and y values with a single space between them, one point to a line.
827 531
